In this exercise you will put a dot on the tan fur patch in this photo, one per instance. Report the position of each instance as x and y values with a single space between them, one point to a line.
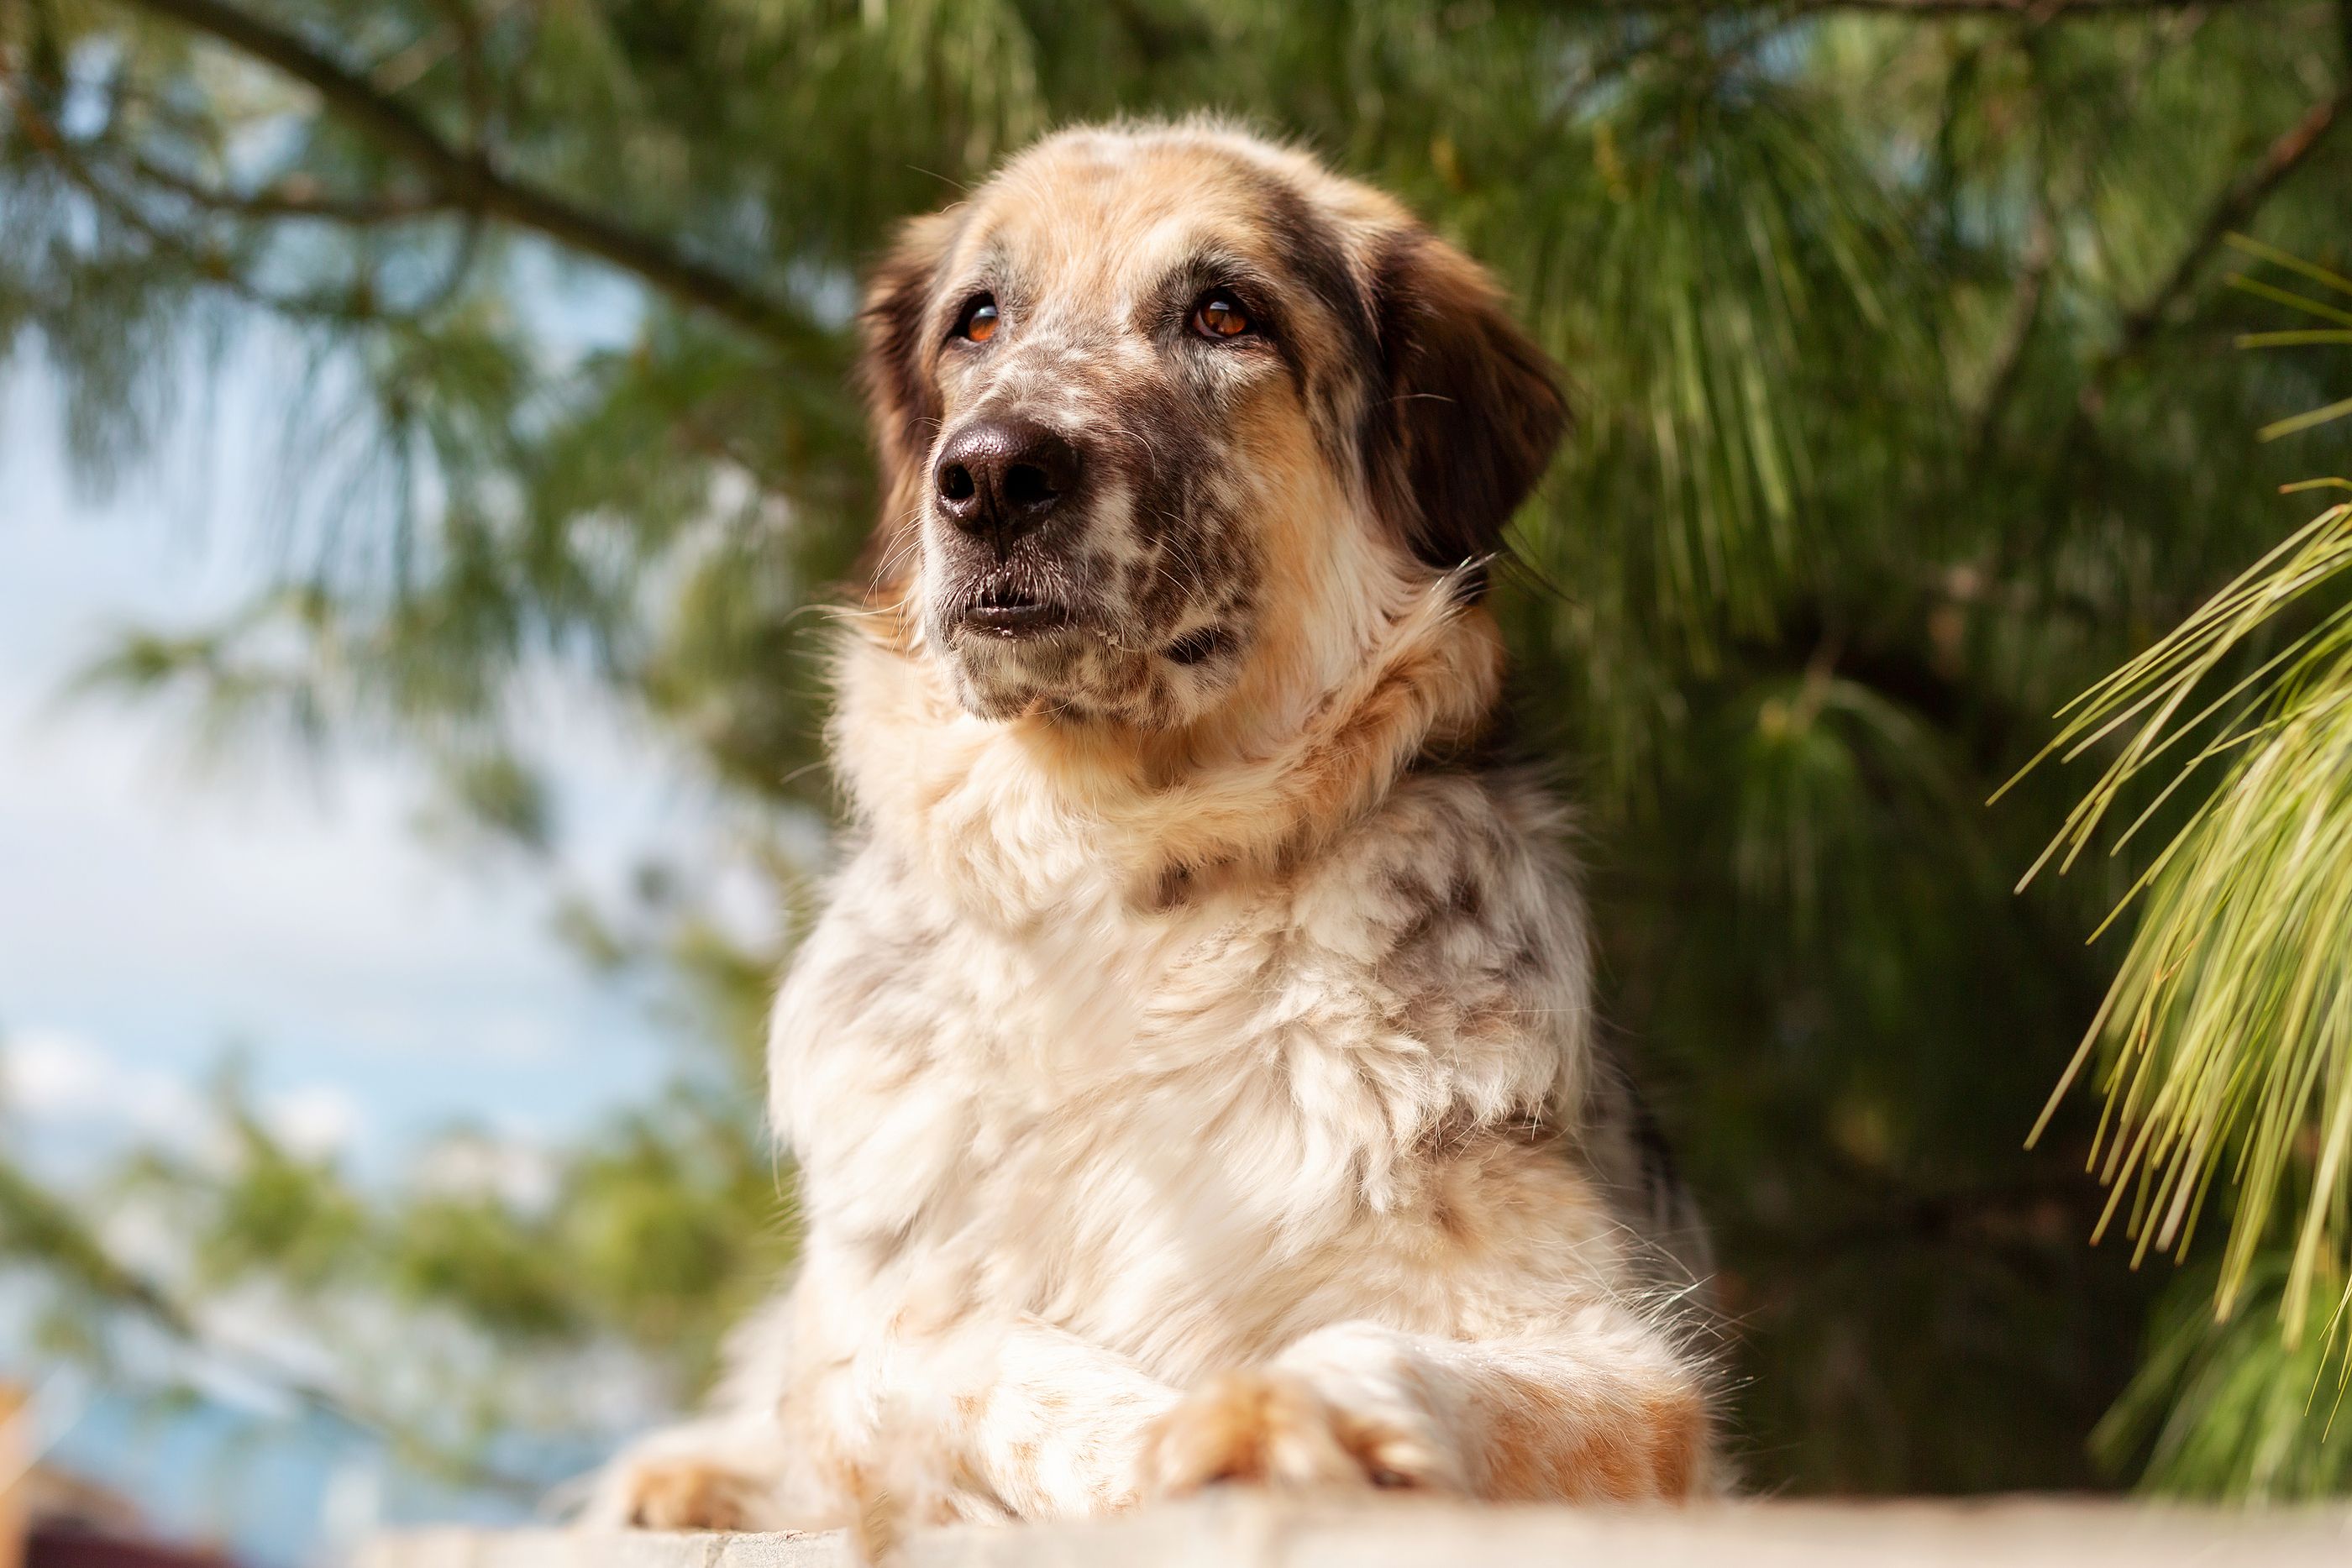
694 1494
1545 1445
1264 1429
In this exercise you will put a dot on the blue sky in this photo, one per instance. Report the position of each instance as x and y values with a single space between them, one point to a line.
156 910
157 913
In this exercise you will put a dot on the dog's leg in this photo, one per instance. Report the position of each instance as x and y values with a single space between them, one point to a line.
1600 1408
730 1472
1027 1422
735 1467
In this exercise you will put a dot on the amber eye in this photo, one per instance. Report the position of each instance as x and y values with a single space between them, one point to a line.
979 323
1220 316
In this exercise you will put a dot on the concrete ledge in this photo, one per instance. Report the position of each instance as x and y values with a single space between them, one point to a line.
1244 1531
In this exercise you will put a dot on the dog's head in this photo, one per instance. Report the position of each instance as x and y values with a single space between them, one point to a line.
1160 407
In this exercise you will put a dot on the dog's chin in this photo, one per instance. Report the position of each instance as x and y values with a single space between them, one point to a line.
1007 661
1010 657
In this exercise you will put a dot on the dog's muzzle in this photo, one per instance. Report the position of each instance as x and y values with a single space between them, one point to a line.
999 482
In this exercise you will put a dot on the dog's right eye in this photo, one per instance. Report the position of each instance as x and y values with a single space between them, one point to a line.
977 324
1220 315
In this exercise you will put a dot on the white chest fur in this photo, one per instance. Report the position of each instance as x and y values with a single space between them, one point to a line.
1158 1127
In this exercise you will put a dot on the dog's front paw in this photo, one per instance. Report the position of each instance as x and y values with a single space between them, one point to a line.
694 1494
679 1491
1271 1427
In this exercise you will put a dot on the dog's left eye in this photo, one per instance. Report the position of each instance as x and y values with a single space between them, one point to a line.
1220 315
978 323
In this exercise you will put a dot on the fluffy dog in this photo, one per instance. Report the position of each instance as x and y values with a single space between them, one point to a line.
1192 1078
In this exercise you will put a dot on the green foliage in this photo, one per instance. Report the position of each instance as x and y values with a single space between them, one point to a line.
2227 1035
2236 1411
651 1239
2232 1019
1906 411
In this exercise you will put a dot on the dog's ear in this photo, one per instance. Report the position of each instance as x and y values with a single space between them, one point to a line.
902 402
1465 411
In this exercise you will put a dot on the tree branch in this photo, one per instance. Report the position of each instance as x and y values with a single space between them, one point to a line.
2035 260
210 265
292 198
2024 314
471 180
2230 211
34 1225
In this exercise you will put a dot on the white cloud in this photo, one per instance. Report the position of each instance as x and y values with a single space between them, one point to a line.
316 1121
49 1075
58 1083
517 1172
52 1075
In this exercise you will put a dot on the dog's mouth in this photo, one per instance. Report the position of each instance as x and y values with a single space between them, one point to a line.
1003 608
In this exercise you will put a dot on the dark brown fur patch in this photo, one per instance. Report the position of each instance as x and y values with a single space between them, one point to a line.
1467 414
901 395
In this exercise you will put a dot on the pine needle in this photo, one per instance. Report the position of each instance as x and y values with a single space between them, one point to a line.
2227 1037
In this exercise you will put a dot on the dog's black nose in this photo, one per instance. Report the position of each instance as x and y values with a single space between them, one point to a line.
1001 477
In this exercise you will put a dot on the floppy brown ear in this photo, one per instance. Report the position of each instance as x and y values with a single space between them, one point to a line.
1468 412
902 404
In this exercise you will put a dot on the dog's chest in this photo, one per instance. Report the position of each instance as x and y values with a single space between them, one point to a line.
1010 1047
1098 1119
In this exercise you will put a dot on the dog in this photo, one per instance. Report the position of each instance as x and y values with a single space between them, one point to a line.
1192 1078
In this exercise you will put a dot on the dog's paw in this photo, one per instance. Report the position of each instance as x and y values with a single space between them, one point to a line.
681 1492
1270 1427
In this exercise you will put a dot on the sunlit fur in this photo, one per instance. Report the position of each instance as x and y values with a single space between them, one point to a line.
1191 1077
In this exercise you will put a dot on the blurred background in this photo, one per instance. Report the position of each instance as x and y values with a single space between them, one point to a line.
424 433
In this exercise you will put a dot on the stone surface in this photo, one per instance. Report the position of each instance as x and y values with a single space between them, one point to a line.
1244 1530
